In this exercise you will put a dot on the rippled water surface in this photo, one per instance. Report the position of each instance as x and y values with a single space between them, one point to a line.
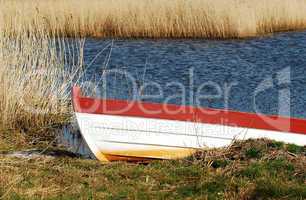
247 65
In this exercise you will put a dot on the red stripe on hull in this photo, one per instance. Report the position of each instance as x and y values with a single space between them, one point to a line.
186 113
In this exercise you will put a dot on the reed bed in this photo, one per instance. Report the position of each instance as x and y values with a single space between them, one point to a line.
35 80
153 18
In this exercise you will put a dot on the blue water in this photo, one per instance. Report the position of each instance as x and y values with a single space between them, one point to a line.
249 65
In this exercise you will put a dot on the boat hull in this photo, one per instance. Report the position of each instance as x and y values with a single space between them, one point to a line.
135 134
135 138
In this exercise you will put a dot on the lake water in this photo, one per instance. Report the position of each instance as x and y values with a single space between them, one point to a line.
215 65
271 70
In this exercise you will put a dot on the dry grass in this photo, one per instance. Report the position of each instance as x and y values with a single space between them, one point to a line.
275 171
153 18
34 81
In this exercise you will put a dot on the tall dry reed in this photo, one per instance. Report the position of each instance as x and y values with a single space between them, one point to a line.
35 79
153 18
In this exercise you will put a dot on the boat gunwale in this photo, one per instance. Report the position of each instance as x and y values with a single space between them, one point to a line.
225 117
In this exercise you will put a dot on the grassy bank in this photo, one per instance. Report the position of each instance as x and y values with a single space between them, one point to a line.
154 18
255 169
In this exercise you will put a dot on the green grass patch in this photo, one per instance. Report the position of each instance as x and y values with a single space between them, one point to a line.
295 149
276 144
275 174
219 163
253 152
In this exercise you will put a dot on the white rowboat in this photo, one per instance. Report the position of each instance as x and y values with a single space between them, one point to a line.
134 130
